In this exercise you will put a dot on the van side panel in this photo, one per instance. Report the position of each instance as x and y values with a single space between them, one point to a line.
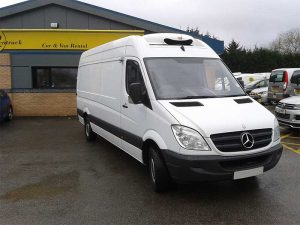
98 91
105 112
89 82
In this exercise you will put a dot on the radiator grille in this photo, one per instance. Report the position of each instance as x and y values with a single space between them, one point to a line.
231 142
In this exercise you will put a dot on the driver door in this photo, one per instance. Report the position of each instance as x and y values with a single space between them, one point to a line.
133 116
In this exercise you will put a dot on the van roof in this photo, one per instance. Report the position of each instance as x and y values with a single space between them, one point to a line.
149 46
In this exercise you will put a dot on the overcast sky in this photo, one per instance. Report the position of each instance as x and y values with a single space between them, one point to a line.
250 22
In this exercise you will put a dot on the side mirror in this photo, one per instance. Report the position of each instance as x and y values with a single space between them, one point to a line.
136 92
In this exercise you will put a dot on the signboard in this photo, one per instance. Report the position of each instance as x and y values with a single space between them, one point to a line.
59 39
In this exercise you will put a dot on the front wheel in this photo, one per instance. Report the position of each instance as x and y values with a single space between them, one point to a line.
89 133
158 172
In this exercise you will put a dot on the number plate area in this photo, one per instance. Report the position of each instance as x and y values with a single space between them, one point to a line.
248 173
282 111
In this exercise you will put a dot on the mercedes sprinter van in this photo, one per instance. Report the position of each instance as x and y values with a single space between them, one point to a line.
169 101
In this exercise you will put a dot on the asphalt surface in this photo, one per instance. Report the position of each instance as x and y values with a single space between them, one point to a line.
49 174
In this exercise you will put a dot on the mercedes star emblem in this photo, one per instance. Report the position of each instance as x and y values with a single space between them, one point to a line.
247 140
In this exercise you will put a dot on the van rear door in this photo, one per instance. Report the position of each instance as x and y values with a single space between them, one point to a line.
277 84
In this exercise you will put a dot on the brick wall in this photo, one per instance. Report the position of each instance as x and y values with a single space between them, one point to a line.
35 104
5 71
44 104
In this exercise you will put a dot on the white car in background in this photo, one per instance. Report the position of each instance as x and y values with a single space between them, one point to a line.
288 112
260 94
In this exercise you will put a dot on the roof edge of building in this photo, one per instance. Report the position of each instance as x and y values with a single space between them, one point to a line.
105 13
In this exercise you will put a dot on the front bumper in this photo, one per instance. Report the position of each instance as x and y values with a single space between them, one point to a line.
256 97
290 118
188 168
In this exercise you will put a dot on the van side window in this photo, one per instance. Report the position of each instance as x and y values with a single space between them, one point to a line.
133 73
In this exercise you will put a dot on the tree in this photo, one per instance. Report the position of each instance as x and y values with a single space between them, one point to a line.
234 56
287 42
196 32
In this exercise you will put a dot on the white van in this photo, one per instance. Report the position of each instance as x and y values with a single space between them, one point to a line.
170 102
280 84
247 78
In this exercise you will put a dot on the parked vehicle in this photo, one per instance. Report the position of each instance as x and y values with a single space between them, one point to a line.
280 84
260 94
295 83
6 109
247 78
256 84
288 112
170 102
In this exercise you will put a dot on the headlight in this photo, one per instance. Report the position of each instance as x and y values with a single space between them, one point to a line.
189 138
276 130
297 107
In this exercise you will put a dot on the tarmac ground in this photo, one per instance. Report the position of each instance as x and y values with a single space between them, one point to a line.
49 174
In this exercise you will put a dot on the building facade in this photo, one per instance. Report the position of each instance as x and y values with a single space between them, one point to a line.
40 45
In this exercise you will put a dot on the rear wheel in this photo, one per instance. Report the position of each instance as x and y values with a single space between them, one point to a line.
89 133
158 172
10 114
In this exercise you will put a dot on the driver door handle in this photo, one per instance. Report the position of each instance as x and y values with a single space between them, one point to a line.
125 106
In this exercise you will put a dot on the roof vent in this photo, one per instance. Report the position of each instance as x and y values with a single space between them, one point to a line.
172 39
169 41
243 100
186 104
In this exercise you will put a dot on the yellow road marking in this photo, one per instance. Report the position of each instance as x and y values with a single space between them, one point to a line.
288 143
285 136
294 137
289 148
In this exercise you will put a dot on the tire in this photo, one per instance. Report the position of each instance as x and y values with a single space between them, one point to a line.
10 114
89 133
159 174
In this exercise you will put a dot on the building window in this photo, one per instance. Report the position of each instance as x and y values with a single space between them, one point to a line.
54 77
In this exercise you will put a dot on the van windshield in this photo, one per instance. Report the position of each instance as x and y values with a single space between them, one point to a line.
277 76
188 78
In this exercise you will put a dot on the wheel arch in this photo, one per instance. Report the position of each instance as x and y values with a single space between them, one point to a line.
152 138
